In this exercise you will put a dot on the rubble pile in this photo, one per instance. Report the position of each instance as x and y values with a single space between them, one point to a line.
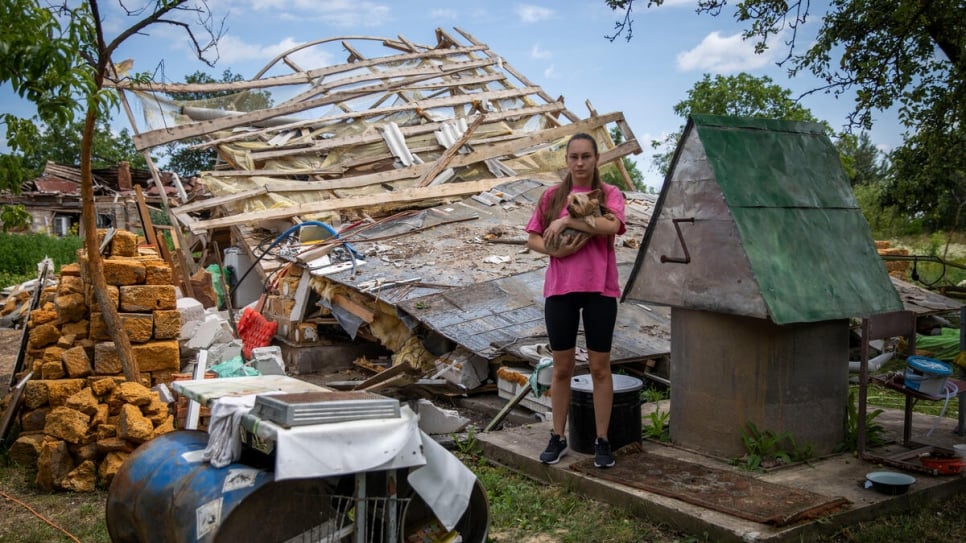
80 418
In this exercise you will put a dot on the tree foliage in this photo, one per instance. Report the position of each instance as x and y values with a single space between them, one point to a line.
909 54
77 33
740 95
62 144
864 163
42 60
613 178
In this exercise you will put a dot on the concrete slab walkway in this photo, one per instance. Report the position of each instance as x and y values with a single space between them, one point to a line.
843 475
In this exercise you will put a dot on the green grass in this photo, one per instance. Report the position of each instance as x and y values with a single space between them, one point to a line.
20 254
33 519
521 508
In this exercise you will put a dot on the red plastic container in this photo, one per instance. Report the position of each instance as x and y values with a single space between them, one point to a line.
944 465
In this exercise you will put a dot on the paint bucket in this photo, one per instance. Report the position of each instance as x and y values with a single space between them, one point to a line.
625 416
927 375
166 493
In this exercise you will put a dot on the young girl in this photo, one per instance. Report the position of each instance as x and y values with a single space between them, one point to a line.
581 283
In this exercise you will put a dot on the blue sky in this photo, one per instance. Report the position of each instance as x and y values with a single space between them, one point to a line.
559 45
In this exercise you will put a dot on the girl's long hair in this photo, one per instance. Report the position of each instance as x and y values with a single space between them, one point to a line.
559 197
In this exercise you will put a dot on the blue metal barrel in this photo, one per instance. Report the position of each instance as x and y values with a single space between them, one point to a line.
166 493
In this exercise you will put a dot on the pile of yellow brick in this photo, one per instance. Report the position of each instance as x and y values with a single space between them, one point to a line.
79 418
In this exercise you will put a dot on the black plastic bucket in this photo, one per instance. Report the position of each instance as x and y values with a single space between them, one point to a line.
625 416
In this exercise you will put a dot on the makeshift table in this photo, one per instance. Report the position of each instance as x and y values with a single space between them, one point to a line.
356 448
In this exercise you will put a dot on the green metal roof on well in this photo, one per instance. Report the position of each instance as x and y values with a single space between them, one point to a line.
770 228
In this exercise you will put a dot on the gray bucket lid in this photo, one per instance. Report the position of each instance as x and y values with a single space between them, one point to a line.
622 383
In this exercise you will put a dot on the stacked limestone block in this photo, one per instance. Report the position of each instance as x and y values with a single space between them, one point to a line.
895 268
79 418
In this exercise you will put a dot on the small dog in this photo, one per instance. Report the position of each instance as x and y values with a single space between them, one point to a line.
585 206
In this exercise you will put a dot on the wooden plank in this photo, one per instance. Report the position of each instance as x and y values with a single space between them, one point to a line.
395 371
352 307
208 203
175 259
13 406
399 197
301 297
145 217
283 80
34 302
367 138
887 325
161 136
194 408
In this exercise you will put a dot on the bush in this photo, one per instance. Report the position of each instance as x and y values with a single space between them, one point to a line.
20 254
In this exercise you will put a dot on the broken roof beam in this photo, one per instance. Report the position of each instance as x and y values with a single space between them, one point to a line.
449 101
515 73
366 138
282 80
397 197
524 142
412 195
167 135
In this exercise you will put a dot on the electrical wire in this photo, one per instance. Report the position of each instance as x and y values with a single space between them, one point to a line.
353 254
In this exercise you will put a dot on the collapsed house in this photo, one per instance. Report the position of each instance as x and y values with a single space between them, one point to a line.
384 198
54 198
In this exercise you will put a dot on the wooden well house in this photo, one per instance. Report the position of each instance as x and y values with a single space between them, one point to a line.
760 249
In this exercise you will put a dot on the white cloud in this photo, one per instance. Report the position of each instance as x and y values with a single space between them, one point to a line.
723 54
532 14
338 13
550 72
537 53
443 13
234 49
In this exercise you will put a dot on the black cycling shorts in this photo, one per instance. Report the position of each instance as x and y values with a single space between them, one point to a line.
563 315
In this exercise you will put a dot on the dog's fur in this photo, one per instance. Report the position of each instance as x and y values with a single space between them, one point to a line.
585 206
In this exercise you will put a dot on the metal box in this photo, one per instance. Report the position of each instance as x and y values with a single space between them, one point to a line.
304 408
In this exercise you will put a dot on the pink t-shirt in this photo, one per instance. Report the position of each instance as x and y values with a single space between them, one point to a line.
594 267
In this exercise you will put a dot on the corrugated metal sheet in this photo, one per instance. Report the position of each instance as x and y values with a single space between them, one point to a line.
776 230
496 307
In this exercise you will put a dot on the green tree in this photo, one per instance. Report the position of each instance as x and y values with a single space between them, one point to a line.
62 144
905 53
14 217
739 95
187 161
613 178
864 163
58 57
41 61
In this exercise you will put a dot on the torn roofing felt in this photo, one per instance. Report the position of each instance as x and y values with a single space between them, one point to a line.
748 205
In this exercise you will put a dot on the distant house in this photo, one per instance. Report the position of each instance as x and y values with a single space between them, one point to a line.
54 198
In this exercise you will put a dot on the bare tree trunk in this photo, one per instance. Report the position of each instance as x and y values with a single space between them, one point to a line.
95 265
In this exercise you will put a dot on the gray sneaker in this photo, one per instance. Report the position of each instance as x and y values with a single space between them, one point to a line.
555 449
603 457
